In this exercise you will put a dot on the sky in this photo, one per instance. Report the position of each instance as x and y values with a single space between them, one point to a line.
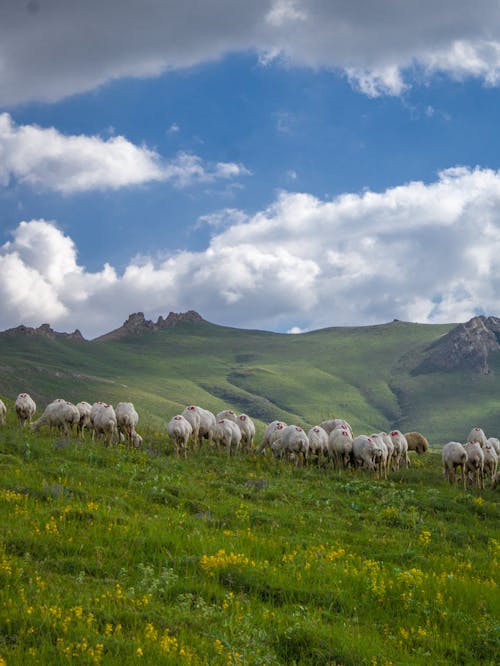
285 165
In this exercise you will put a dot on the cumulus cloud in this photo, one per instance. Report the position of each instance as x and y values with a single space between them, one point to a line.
417 252
44 54
45 159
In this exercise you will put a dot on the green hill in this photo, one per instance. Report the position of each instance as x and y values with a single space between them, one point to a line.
367 375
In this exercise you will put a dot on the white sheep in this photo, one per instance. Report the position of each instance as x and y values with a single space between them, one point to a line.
400 455
202 421
475 463
490 460
227 434
247 428
104 421
3 412
192 415
58 414
495 443
454 457
387 439
180 430
477 435
381 455
331 424
227 414
366 452
25 408
272 432
136 440
84 409
126 420
340 446
294 444
318 443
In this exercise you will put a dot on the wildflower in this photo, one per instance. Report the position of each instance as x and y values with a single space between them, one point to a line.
139 652
424 537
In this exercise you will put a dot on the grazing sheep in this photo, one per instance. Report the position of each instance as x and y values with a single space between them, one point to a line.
84 409
496 481
340 447
227 414
202 421
400 455
126 420
477 435
272 432
490 460
366 452
136 440
104 421
381 455
3 412
331 424
475 463
390 448
25 408
294 444
318 443
495 443
227 434
179 430
247 428
192 415
417 442
58 414
454 457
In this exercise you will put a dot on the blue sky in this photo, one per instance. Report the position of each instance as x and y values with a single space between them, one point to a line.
287 165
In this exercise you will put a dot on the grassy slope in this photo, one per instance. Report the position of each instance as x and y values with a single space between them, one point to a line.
111 556
362 374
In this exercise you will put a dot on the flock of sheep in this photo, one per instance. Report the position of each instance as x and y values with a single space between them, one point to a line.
331 441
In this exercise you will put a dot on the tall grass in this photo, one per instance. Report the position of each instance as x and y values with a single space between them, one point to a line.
128 557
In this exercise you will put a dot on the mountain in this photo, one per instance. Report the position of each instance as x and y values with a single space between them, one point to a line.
438 379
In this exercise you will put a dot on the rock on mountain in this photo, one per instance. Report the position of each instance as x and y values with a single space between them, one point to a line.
137 323
44 331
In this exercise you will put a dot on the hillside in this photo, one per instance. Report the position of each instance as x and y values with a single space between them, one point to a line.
377 377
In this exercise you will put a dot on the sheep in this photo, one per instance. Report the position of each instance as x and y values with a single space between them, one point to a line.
84 409
104 421
477 435
495 443
227 434
331 424
126 420
367 452
496 481
3 413
202 421
193 416
25 408
247 428
272 432
490 460
400 456
474 464
294 444
417 442
180 430
136 439
390 448
58 414
381 455
227 414
318 442
454 457
340 446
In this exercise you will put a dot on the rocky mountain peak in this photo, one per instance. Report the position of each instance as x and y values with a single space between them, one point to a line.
466 346
43 331
137 323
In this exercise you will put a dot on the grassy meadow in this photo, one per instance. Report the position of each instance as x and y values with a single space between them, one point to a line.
138 557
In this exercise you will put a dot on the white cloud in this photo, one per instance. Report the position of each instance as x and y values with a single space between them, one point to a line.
46 159
44 54
415 252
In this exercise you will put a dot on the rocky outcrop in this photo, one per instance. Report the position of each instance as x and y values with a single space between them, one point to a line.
137 323
466 346
43 331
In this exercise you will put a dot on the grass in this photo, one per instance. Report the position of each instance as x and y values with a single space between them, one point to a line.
129 557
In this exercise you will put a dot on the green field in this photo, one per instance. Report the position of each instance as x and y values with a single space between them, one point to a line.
129 557
365 375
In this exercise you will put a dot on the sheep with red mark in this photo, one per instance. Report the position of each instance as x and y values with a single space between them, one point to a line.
400 455
387 439
193 416
202 421
25 408
294 444
127 419
474 465
454 458
180 430
495 443
318 443
490 460
59 414
367 452
331 424
227 434
247 428
477 435
227 414
272 433
340 447
3 413
381 455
